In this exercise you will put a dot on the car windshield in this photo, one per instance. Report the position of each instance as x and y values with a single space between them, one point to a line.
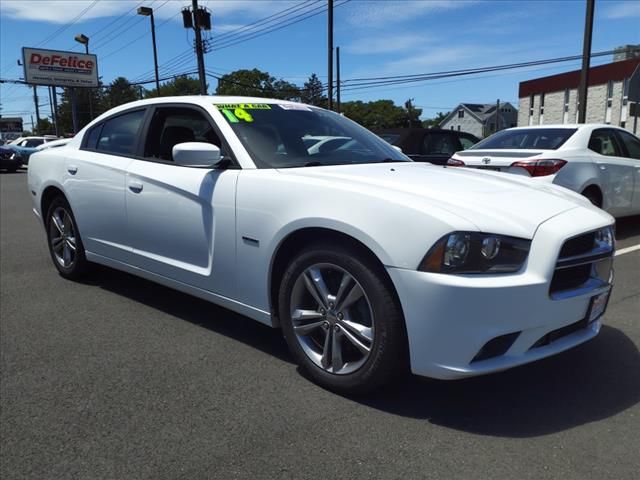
278 136
527 138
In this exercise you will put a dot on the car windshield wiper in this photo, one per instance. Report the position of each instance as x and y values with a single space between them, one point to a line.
315 163
391 160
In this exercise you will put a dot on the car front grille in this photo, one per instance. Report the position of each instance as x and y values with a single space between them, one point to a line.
585 263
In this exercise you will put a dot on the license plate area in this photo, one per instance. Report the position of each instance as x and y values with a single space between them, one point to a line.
495 169
597 306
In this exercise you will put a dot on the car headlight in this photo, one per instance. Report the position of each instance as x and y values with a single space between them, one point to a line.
474 252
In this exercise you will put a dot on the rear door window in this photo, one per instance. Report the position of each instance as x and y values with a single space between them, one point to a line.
438 144
466 141
604 142
119 134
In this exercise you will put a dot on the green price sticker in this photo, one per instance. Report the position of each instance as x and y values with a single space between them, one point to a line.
230 116
242 114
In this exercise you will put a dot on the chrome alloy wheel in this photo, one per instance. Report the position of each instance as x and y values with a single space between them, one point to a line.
62 237
332 318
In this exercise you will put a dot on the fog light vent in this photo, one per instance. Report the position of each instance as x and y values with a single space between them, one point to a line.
496 347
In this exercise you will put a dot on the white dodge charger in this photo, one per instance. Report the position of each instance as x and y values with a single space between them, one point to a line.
368 261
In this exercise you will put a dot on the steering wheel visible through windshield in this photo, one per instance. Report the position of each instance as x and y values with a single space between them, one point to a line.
285 135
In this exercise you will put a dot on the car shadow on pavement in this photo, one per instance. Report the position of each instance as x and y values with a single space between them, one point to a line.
627 227
192 309
591 382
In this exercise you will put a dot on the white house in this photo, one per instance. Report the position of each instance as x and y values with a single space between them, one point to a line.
480 119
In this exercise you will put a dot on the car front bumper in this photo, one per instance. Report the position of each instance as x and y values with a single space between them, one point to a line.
452 319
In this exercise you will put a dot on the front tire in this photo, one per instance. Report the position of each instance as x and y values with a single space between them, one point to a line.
340 319
63 239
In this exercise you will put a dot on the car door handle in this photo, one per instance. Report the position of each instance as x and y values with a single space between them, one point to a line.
135 187
72 169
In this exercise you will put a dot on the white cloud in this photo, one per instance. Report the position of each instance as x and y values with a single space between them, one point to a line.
64 11
369 13
624 10
393 43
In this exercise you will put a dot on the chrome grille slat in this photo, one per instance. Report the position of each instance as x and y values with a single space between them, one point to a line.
580 265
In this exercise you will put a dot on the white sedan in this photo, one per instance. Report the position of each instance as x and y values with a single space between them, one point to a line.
601 162
369 262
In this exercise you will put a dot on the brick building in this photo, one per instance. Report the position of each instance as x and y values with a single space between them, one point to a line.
554 99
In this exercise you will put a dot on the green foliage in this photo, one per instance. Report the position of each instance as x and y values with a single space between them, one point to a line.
312 92
435 121
381 114
88 100
177 87
45 127
120 91
256 83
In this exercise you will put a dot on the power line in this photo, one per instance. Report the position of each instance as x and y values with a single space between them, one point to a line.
363 83
291 21
284 18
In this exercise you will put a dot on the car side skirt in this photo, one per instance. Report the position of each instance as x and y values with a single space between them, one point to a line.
238 307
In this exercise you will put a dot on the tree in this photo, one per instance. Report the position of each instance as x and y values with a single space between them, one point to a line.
312 92
380 114
120 91
87 100
179 86
256 83
435 121
45 127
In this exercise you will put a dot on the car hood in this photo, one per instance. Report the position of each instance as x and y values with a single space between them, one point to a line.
494 202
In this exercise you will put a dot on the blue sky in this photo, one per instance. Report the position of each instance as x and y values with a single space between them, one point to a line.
376 38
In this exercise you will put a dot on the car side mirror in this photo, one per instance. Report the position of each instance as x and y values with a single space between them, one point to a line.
397 148
196 154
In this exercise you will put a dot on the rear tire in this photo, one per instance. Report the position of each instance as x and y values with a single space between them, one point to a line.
341 320
593 195
63 239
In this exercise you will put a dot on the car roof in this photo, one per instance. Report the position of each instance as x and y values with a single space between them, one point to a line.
567 125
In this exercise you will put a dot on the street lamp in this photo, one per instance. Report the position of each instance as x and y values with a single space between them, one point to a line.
83 39
148 12
80 38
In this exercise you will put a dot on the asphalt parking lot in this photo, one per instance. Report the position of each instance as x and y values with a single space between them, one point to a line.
117 377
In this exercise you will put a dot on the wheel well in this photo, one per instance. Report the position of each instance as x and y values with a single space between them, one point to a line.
593 190
297 240
47 197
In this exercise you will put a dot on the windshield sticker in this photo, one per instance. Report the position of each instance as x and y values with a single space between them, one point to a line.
294 106
230 116
243 106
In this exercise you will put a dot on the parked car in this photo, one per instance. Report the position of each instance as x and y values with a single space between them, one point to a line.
601 162
61 142
25 146
427 144
8 159
366 260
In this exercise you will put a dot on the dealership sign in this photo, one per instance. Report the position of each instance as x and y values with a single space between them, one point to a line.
58 68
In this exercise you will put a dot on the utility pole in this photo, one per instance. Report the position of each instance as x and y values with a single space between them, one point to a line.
330 54
497 115
53 115
55 110
35 100
586 58
338 79
199 50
